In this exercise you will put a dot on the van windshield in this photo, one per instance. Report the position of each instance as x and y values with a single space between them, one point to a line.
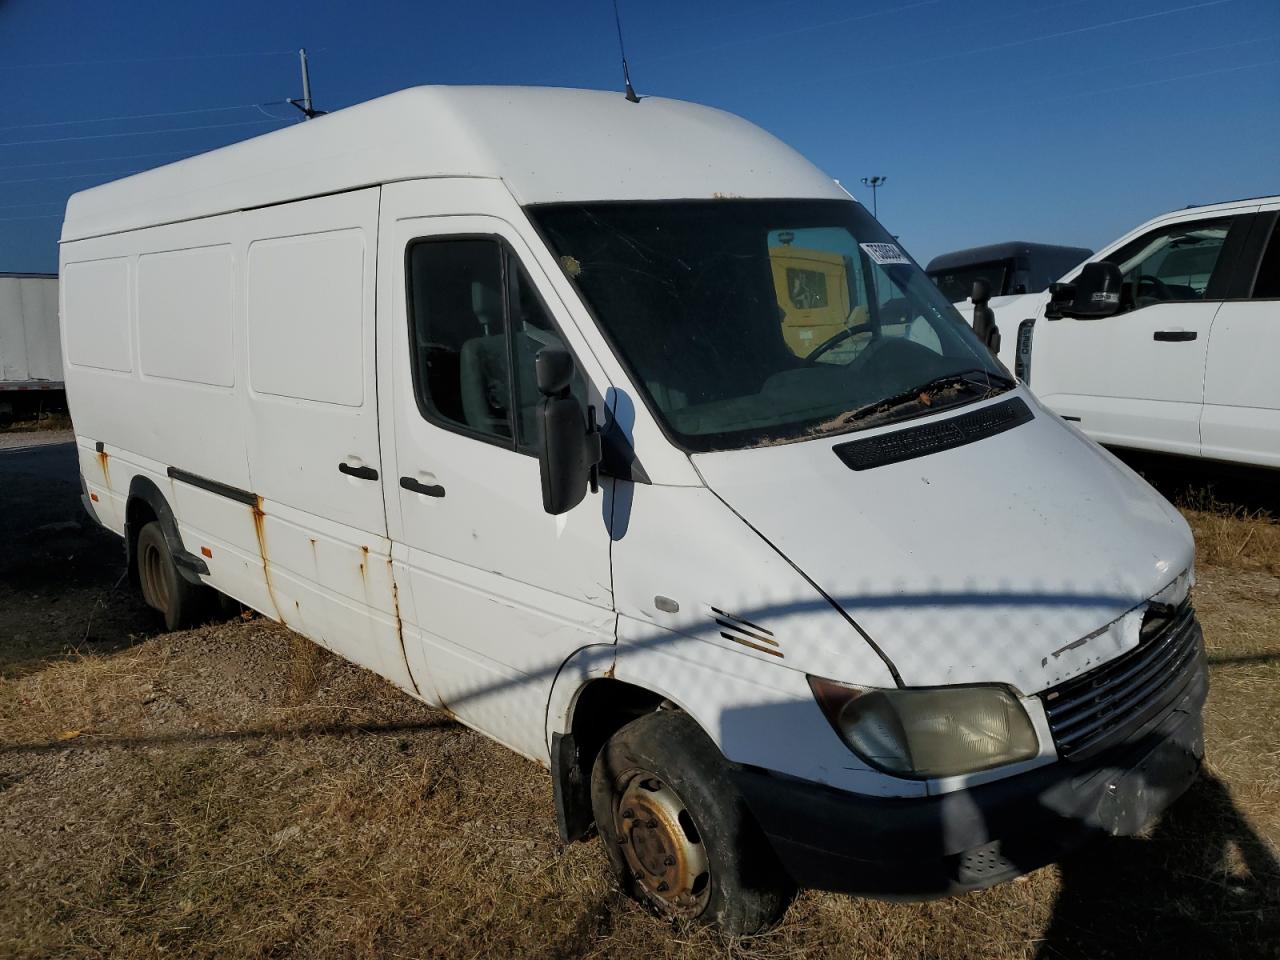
749 322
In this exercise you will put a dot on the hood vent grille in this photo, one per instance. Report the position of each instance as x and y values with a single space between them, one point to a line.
746 633
886 448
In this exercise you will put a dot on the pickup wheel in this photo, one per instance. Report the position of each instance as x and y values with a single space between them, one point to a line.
181 602
676 832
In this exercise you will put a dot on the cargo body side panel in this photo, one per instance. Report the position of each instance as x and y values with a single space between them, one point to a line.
183 369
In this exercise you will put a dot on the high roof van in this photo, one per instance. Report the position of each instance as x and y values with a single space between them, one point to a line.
504 394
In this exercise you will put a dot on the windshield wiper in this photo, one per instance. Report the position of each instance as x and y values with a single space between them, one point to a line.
985 381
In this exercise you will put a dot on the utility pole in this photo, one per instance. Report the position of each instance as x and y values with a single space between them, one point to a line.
305 103
875 183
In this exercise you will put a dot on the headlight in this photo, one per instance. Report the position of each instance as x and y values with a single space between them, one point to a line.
936 732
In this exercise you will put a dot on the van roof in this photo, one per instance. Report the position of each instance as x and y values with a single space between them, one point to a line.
1002 251
547 144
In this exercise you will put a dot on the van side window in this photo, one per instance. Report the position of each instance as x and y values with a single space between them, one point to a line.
1266 286
473 311
1173 263
458 334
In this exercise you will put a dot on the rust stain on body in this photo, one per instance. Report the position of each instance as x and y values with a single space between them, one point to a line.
103 459
395 606
260 532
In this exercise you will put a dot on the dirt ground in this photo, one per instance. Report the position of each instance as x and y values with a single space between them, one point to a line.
234 791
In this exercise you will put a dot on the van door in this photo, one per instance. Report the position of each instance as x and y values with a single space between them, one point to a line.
311 421
1241 418
501 592
1136 379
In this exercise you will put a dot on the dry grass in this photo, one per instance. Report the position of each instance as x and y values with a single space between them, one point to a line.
1233 536
234 791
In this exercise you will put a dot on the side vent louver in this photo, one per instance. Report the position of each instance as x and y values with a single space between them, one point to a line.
746 633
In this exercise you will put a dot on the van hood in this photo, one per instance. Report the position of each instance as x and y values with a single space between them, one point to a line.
1023 558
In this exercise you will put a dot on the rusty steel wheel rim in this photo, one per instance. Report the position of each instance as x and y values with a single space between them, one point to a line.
662 845
155 587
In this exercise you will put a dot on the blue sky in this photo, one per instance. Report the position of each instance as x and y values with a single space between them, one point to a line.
1062 121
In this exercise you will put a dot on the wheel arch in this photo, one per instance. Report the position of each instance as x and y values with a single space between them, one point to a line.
146 503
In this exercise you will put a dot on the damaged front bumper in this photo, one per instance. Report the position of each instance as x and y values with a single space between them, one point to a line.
969 839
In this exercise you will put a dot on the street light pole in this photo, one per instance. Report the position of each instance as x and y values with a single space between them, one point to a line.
875 183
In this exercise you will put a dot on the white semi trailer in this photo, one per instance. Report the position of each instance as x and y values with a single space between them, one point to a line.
30 348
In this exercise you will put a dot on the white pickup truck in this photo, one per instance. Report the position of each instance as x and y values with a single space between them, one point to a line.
1177 350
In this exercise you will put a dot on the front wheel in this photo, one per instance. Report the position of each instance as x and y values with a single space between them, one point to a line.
677 834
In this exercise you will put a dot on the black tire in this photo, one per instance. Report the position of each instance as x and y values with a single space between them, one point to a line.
677 833
182 603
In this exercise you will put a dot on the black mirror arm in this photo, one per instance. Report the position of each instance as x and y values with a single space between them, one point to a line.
1060 295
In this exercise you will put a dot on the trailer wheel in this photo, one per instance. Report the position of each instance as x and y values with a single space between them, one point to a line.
677 834
181 602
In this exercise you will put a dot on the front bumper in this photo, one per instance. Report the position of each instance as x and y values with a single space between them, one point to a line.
934 846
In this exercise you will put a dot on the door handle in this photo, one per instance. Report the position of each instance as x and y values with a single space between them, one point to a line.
1174 336
416 486
360 473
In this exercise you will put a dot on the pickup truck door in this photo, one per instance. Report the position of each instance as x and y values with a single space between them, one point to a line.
1136 379
494 593
1241 419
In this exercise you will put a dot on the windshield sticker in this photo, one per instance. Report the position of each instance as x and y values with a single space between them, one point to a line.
884 253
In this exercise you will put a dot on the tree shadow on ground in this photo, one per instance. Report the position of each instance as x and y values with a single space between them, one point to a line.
1203 885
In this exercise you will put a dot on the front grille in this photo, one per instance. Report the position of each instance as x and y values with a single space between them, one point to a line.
1112 702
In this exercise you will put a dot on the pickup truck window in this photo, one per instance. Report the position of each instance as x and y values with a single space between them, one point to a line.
749 322
1267 284
1173 263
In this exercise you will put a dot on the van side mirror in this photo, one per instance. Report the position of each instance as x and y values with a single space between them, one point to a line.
570 452
984 318
1095 293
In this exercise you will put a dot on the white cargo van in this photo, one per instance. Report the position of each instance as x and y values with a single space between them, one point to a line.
503 393
1179 355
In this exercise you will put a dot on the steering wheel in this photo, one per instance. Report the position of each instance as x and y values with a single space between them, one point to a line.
1159 289
835 341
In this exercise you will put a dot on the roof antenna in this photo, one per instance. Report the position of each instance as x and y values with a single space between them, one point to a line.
305 103
626 74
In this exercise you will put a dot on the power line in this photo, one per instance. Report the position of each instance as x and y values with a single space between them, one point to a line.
1064 33
139 116
77 176
68 163
190 56
804 29
144 133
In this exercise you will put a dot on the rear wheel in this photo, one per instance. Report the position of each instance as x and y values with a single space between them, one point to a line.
181 602
676 832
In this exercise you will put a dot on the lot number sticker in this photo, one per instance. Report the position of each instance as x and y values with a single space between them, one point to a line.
884 253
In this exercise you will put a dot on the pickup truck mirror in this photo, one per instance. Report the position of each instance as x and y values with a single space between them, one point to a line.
569 455
1095 293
